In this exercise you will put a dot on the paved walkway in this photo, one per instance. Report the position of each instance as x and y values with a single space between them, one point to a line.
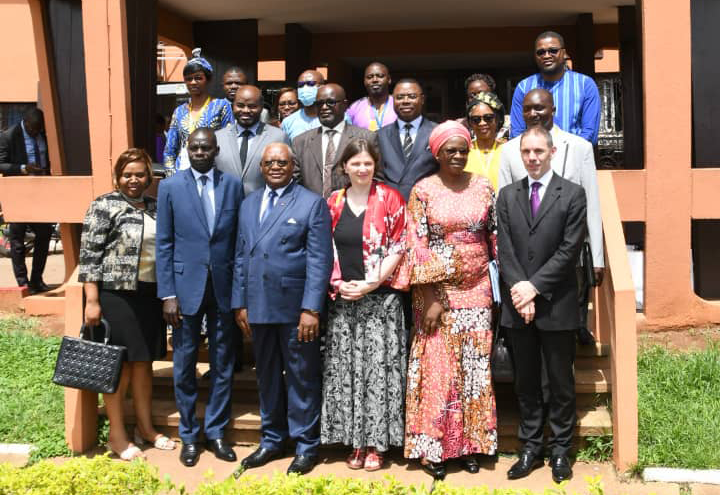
491 473
54 270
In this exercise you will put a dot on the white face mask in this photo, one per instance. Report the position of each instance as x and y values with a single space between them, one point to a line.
307 95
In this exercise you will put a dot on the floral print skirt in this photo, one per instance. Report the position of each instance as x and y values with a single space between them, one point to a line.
450 399
364 369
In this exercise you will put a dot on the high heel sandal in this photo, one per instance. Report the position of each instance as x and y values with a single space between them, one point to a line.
161 442
356 459
373 460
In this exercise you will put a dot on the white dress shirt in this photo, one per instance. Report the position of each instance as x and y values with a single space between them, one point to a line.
336 138
266 197
544 181
210 183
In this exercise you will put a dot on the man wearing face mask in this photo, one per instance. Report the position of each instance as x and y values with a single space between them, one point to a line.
307 118
317 150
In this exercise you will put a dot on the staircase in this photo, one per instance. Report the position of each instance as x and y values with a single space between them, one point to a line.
592 378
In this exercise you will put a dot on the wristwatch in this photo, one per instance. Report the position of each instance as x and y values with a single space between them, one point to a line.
314 313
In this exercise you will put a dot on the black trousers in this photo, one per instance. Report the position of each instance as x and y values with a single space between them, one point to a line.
531 347
40 250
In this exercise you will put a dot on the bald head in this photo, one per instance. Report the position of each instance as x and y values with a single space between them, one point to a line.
312 75
538 109
277 165
248 105
331 104
202 149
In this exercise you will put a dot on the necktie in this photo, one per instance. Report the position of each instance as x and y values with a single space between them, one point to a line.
535 198
269 206
329 161
207 204
36 150
407 142
246 134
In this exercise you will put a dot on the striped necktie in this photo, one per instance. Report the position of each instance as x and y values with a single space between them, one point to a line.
407 141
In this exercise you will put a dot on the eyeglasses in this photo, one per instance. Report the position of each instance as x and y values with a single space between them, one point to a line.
410 96
279 163
330 102
287 103
552 51
488 118
307 83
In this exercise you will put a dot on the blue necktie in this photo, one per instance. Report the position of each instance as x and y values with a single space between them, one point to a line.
207 204
270 205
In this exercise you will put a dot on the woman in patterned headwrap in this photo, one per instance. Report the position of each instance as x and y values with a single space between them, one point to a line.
201 111
485 114
450 403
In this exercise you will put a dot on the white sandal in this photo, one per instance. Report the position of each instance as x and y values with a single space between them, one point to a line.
130 453
162 442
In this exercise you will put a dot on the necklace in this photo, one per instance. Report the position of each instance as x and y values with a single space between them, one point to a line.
193 121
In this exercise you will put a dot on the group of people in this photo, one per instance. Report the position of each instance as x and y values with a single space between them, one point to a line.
370 228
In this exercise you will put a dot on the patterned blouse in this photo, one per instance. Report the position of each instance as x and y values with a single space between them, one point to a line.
111 241
383 233
216 115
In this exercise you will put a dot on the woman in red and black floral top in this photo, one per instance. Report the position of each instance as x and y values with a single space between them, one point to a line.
366 346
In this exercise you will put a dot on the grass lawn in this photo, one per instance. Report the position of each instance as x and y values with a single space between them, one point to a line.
31 406
679 407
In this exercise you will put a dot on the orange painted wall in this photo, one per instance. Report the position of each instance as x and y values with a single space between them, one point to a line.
18 51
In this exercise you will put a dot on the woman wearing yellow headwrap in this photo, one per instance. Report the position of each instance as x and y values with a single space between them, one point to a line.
485 114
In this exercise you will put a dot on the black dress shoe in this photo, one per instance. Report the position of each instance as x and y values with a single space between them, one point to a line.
261 457
561 469
437 470
302 464
221 449
524 466
37 287
470 464
190 453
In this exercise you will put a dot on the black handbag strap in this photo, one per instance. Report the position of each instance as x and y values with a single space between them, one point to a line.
105 325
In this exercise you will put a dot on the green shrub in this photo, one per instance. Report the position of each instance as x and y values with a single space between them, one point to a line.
82 476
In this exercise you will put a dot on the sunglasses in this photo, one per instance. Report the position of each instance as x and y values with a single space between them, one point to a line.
330 102
279 163
487 118
307 83
552 51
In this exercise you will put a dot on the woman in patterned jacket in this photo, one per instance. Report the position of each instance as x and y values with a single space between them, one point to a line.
366 349
117 268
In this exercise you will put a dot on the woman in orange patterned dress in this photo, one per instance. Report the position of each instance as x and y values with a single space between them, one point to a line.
450 403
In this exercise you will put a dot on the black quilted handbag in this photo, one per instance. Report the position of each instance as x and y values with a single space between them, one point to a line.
89 365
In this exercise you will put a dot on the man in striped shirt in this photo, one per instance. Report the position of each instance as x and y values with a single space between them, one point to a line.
576 96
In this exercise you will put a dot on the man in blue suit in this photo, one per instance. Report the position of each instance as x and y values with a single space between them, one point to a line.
282 269
196 233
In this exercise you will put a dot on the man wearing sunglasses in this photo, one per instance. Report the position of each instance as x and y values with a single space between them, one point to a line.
576 95
318 150
307 118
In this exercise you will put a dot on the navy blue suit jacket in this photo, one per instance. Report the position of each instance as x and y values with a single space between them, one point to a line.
184 249
283 266
400 173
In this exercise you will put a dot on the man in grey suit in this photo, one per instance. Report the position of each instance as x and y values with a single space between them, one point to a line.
241 144
318 150
574 161
404 144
